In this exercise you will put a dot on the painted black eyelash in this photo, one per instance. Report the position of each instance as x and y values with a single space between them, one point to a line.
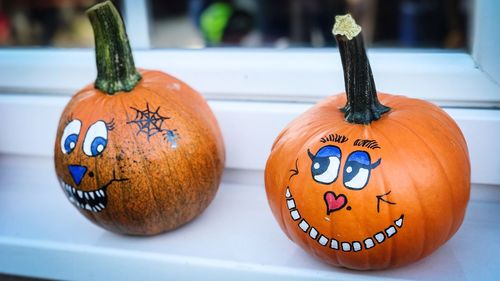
110 125
68 119
334 138
372 144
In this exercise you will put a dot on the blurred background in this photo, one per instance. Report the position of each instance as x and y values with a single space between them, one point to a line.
246 23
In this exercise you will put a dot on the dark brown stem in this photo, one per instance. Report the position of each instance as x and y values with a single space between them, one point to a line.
362 106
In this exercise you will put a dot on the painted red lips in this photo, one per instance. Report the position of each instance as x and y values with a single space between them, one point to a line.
334 202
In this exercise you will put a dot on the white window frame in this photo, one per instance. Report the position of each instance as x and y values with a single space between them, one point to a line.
256 92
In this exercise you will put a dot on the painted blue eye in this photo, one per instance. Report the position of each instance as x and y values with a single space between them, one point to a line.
357 170
325 164
96 139
70 142
98 145
70 135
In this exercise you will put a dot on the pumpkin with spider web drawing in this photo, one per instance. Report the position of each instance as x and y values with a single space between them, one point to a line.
137 152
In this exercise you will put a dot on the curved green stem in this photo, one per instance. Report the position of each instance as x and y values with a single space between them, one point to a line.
362 106
115 64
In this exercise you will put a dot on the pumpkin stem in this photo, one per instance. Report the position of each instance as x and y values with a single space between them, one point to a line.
362 106
115 65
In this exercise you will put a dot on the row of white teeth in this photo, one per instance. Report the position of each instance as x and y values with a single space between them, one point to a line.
87 195
84 194
99 207
355 246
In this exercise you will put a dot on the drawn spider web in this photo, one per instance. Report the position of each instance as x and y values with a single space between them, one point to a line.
148 122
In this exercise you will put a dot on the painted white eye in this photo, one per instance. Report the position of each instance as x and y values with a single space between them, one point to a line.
359 180
96 139
70 136
330 172
357 170
325 164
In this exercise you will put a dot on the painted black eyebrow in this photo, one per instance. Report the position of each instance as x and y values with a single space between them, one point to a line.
334 138
371 144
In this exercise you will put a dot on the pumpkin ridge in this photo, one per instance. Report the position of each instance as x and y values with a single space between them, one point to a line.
428 106
189 115
442 171
416 192
145 168
99 181
112 214
177 103
344 128
383 190
460 144
448 125
451 127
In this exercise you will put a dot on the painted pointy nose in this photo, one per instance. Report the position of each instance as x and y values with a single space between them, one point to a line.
77 172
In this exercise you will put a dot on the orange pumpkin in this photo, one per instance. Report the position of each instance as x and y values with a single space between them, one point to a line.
367 181
138 152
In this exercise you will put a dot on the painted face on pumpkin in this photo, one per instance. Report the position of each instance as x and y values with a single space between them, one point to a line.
93 143
343 186
83 146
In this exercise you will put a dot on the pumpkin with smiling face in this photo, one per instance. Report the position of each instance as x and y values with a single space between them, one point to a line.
368 181
138 152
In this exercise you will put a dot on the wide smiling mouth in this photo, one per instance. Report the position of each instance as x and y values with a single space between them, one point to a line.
346 246
94 201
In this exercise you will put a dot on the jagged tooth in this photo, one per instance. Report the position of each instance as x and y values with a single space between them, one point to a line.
97 208
80 194
399 222
88 207
91 194
101 205
102 192
86 195
94 209
74 190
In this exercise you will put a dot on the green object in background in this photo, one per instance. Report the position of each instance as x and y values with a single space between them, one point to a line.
214 20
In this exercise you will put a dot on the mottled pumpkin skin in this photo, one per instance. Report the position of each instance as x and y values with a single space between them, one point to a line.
424 164
161 181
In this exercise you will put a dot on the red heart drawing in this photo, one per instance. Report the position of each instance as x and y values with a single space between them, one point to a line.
334 202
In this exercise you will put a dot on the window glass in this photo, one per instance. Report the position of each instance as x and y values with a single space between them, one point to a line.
57 23
307 23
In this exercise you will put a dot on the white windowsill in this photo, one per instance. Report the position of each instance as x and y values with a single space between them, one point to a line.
449 79
42 235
